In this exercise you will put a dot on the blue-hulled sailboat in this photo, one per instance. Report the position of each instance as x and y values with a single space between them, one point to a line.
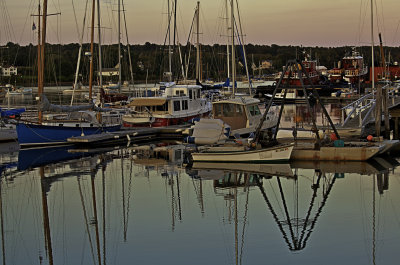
55 129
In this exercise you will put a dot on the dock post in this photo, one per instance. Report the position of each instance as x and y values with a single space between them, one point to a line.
343 112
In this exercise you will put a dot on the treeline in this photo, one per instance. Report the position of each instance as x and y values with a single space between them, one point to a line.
151 61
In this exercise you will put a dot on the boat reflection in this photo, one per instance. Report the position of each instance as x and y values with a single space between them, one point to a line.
37 157
159 154
294 197
373 166
84 171
217 171
61 196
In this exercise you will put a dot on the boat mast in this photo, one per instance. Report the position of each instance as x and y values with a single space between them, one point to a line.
127 43
198 74
99 36
91 52
378 103
243 47
119 46
227 40
233 49
41 56
169 44
384 91
79 54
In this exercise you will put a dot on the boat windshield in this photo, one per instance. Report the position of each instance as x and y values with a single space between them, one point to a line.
254 110
228 110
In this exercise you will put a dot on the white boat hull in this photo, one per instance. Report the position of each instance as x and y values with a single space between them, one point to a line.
266 155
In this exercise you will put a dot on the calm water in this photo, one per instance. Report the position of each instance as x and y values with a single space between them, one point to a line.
151 209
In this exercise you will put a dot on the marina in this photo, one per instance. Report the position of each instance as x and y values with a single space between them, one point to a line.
182 132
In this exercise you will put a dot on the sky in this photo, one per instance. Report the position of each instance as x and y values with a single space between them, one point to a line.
328 23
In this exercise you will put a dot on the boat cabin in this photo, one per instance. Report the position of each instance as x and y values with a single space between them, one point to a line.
176 99
238 112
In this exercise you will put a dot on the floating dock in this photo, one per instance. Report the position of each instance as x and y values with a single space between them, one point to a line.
131 135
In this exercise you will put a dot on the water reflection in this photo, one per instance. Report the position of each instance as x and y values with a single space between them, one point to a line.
139 204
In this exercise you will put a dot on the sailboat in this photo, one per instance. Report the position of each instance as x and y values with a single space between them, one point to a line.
56 129
113 91
242 114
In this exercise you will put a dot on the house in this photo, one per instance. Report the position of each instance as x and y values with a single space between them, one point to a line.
8 71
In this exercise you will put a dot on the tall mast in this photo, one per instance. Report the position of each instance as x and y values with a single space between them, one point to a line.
127 43
119 46
227 39
99 36
175 4
372 45
244 49
378 103
233 49
39 52
42 49
79 54
91 52
169 44
198 42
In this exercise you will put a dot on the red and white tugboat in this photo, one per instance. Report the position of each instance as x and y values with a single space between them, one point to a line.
351 69
292 79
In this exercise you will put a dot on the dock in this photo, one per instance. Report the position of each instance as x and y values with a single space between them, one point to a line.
132 135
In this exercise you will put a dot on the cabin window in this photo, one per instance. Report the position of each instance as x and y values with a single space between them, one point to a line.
238 110
179 92
178 155
184 104
190 94
177 105
254 110
163 107
198 93
217 109
228 110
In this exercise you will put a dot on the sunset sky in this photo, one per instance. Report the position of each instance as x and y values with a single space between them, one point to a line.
284 22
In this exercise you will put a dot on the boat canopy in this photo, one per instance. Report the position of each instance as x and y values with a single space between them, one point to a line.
11 112
137 102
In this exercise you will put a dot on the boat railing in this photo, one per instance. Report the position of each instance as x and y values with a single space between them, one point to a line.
336 71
